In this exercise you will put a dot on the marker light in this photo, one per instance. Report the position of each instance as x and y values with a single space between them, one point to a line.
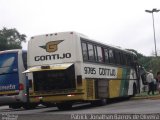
21 86
70 95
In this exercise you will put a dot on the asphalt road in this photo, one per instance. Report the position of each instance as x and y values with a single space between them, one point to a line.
86 111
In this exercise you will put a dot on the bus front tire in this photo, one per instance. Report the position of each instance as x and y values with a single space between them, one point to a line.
28 106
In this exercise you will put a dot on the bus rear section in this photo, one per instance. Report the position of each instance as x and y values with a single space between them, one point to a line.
12 81
52 74
54 85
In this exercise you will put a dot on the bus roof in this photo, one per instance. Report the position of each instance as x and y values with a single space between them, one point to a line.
87 39
9 51
60 33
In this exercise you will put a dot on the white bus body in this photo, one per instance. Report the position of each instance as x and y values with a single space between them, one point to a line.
61 59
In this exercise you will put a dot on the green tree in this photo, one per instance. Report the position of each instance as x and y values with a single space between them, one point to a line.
154 64
11 39
148 62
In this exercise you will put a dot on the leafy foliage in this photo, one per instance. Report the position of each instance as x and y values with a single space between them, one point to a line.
11 39
148 62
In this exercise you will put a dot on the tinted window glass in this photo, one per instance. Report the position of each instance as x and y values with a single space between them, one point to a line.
90 52
124 59
100 56
95 52
129 60
106 55
117 57
111 56
84 51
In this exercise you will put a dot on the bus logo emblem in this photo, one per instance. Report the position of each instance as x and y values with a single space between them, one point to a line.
51 46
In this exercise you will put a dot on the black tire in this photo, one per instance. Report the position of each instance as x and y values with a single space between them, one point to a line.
15 106
101 102
64 106
49 104
28 106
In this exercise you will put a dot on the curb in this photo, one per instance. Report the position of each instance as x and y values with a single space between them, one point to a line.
146 97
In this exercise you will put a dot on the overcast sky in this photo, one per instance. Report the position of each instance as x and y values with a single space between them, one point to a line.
121 23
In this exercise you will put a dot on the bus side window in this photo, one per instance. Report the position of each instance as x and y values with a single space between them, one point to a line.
106 55
111 56
84 51
100 56
117 57
121 58
91 52
132 60
124 59
95 53
128 60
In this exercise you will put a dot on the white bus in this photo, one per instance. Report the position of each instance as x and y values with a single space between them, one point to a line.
68 67
13 90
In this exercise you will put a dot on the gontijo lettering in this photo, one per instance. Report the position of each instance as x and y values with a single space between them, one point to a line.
106 71
52 57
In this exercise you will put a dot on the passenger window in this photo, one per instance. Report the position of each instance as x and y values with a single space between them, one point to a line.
100 56
106 55
111 56
90 52
95 52
84 51
117 57
124 59
128 60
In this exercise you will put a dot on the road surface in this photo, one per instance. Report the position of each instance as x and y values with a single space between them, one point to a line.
86 111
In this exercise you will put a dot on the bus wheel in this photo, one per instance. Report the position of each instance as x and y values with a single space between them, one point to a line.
49 104
14 106
100 102
28 106
103 101
64 106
